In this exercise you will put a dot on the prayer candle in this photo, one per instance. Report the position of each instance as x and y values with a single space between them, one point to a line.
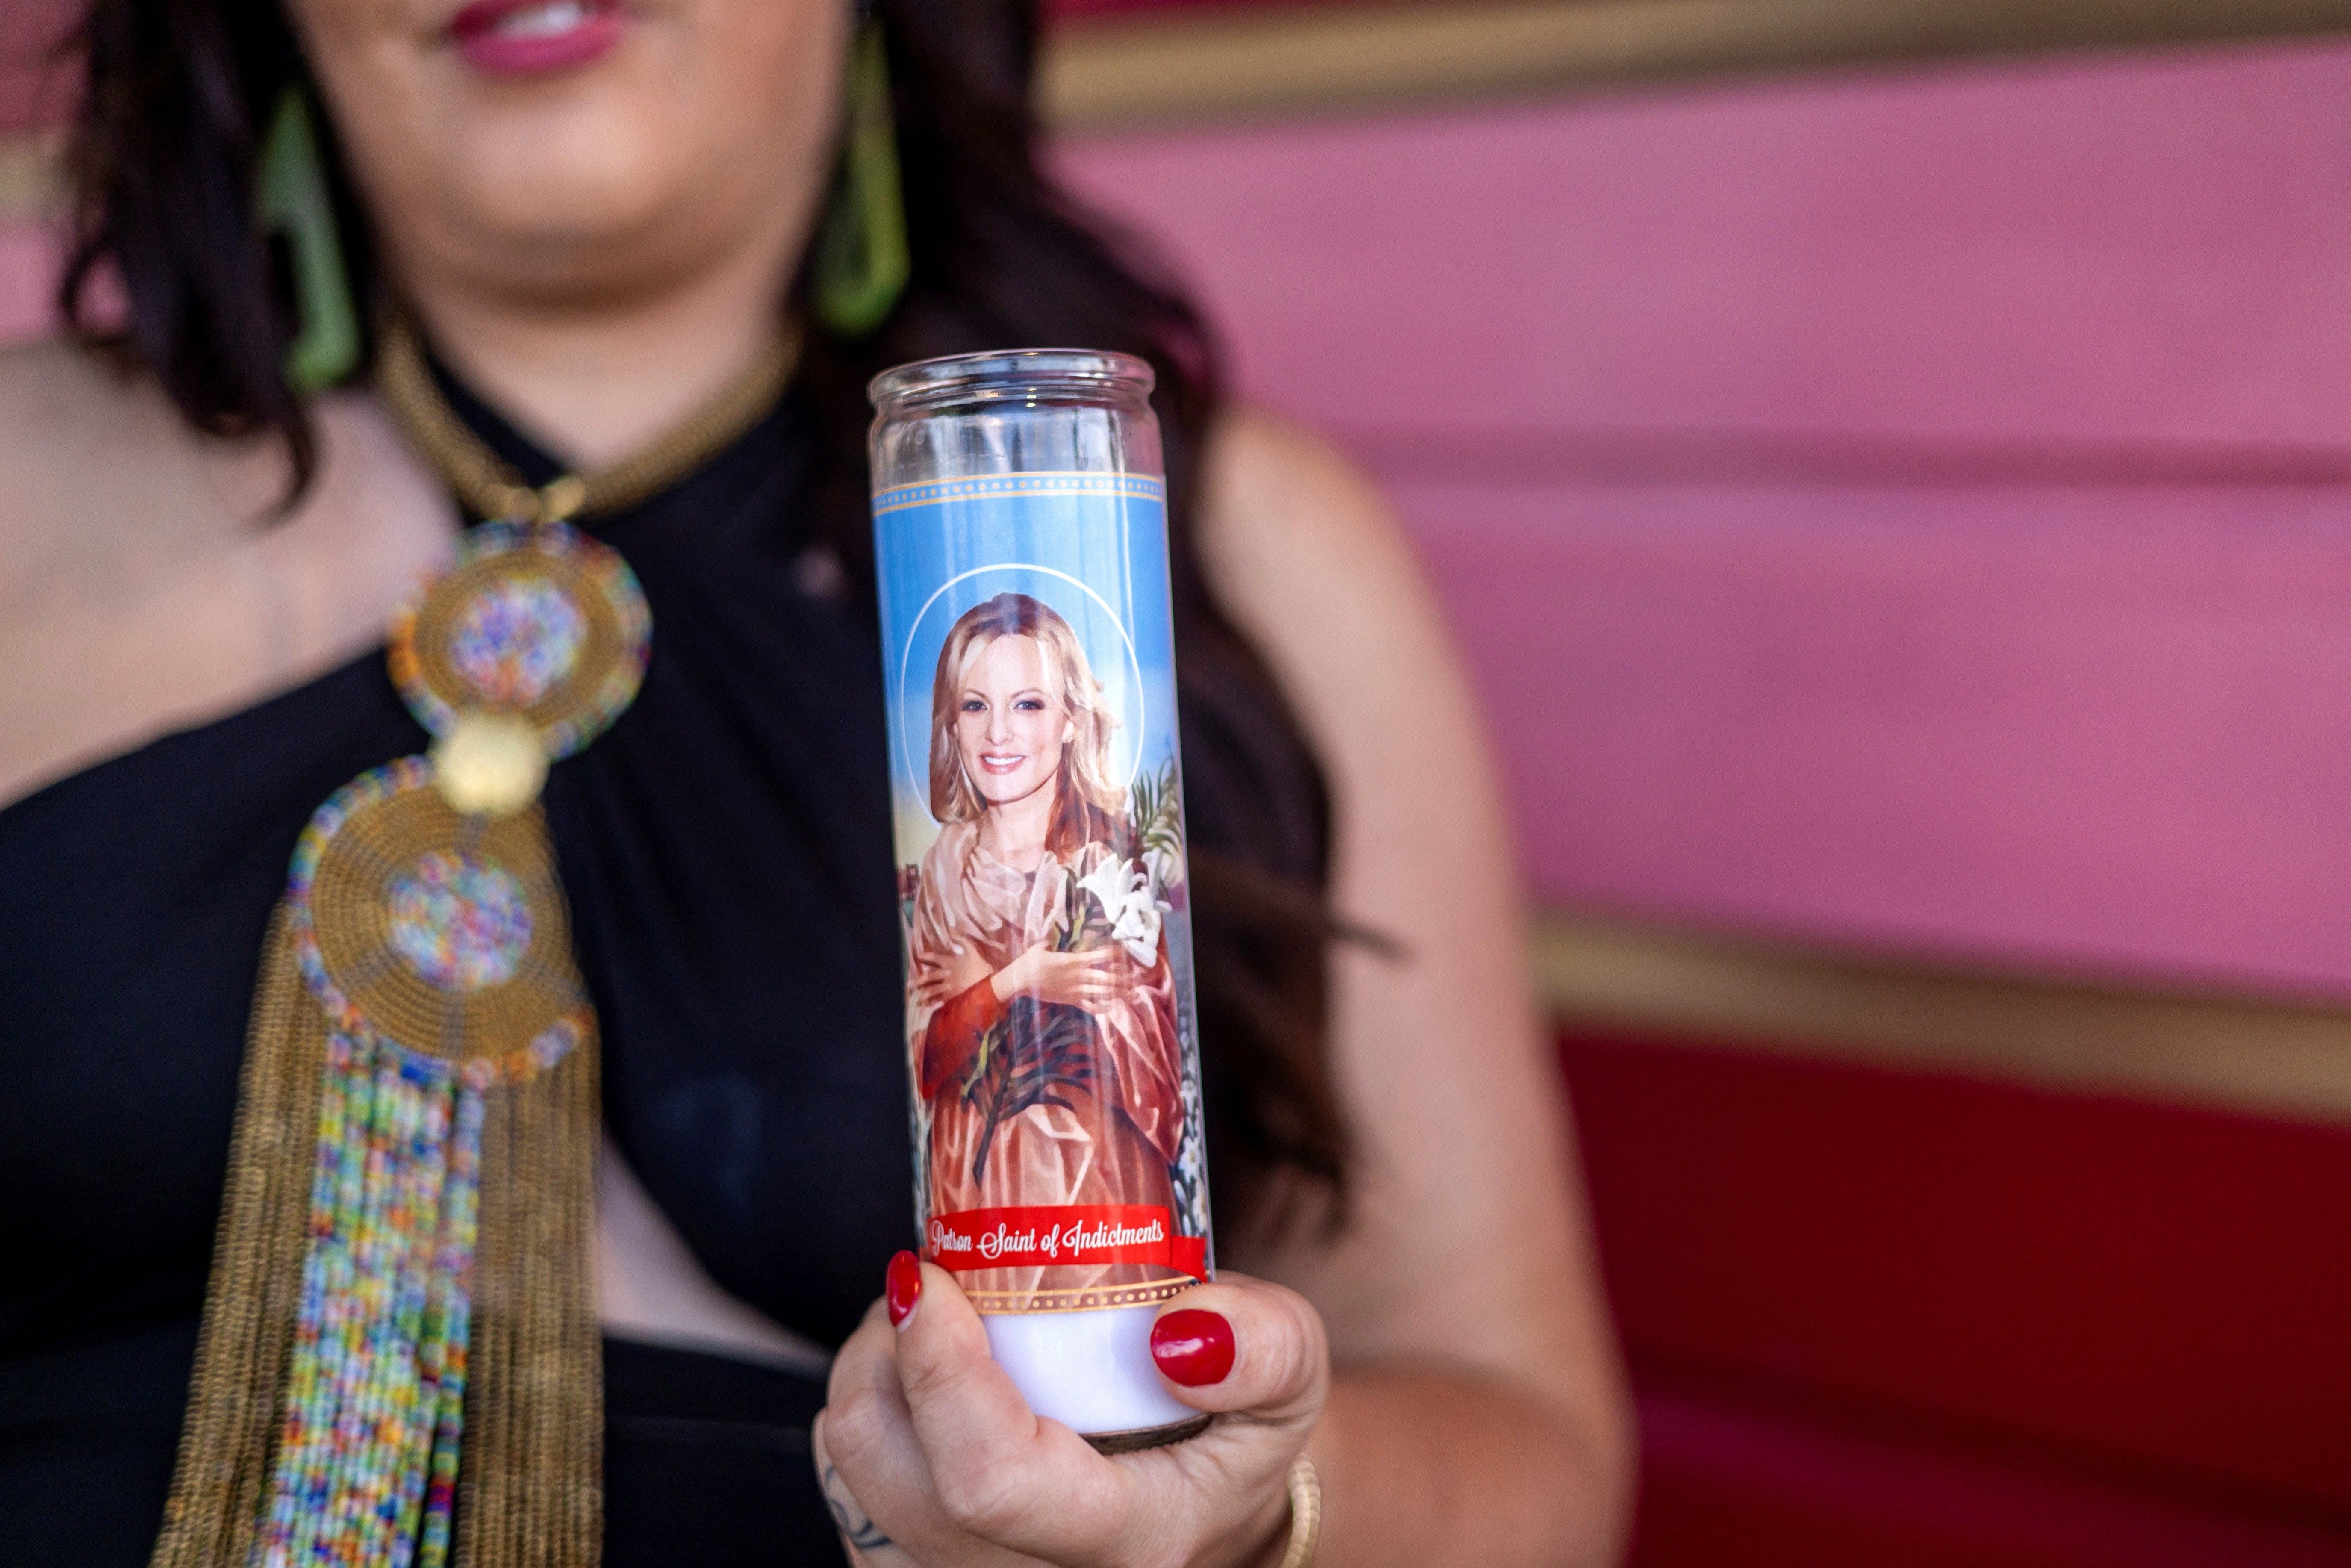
1020 526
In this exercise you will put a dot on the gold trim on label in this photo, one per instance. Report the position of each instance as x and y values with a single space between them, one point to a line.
1094 1299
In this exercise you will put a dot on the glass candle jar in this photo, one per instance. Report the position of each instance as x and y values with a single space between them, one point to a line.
1020 526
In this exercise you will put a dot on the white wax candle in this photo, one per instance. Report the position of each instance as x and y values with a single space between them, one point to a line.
1091 1370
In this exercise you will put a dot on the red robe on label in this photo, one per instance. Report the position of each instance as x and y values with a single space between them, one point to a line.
1117 1132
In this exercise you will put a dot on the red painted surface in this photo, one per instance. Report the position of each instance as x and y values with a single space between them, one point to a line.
1904 508
2128 1301
1737 1486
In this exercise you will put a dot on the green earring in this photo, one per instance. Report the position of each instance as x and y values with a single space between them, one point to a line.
293 200
861 259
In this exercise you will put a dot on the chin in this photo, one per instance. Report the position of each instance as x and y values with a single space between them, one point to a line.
1006 792
705 121
582 204
610 129
566 181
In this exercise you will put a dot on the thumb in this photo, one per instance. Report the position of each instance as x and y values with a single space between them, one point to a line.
1244 1344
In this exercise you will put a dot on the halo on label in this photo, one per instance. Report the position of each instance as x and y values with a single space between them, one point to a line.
442 933
534 620
1133 727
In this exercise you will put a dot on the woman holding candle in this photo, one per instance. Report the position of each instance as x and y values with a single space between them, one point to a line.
602 218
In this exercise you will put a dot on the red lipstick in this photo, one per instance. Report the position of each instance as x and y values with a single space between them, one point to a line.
534 38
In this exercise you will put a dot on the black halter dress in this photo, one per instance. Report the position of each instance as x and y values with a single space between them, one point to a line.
726 852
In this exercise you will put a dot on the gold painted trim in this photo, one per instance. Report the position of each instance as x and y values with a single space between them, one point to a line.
1223 63
1093 1298
2248 1053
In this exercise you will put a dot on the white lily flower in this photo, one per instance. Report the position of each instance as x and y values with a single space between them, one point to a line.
1123 890
1137 929
1109 885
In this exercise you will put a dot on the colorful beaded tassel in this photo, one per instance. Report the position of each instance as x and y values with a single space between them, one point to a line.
379 1375
399 1365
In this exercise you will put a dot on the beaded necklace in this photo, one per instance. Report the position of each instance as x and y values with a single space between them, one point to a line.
399 1365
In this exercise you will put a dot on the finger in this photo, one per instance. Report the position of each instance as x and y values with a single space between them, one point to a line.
1244 1345
869 1433
861 1539
1256 1355
998 1470
872 1450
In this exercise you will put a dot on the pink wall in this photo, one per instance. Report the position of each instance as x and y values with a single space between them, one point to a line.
35 86
1908 508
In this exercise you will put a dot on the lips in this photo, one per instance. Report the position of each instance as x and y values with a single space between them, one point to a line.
1000 763
534 38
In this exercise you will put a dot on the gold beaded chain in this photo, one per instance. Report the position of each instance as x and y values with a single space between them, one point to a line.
490 488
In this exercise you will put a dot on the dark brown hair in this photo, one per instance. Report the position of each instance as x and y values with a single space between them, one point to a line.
162 164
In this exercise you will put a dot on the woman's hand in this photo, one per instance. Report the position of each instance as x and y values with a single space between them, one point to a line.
929 1455
1093 978
939 977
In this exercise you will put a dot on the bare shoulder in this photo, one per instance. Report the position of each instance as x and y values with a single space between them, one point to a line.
1285 505
1317 571
44 383
1311 561
79 440
101 472
145 581
1468 1229
58 401
1261 465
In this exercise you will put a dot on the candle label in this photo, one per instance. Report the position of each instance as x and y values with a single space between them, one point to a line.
1074 1233
1038 800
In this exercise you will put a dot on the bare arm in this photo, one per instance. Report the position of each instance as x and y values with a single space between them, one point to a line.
1477 1414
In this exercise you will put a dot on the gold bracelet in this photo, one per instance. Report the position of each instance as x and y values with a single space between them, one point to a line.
1305 1513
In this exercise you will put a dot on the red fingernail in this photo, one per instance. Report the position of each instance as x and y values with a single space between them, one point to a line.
904 1289
1193 1347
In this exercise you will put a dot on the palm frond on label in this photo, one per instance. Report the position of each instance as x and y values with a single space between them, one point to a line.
1078 911
1156 809
1033 1050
